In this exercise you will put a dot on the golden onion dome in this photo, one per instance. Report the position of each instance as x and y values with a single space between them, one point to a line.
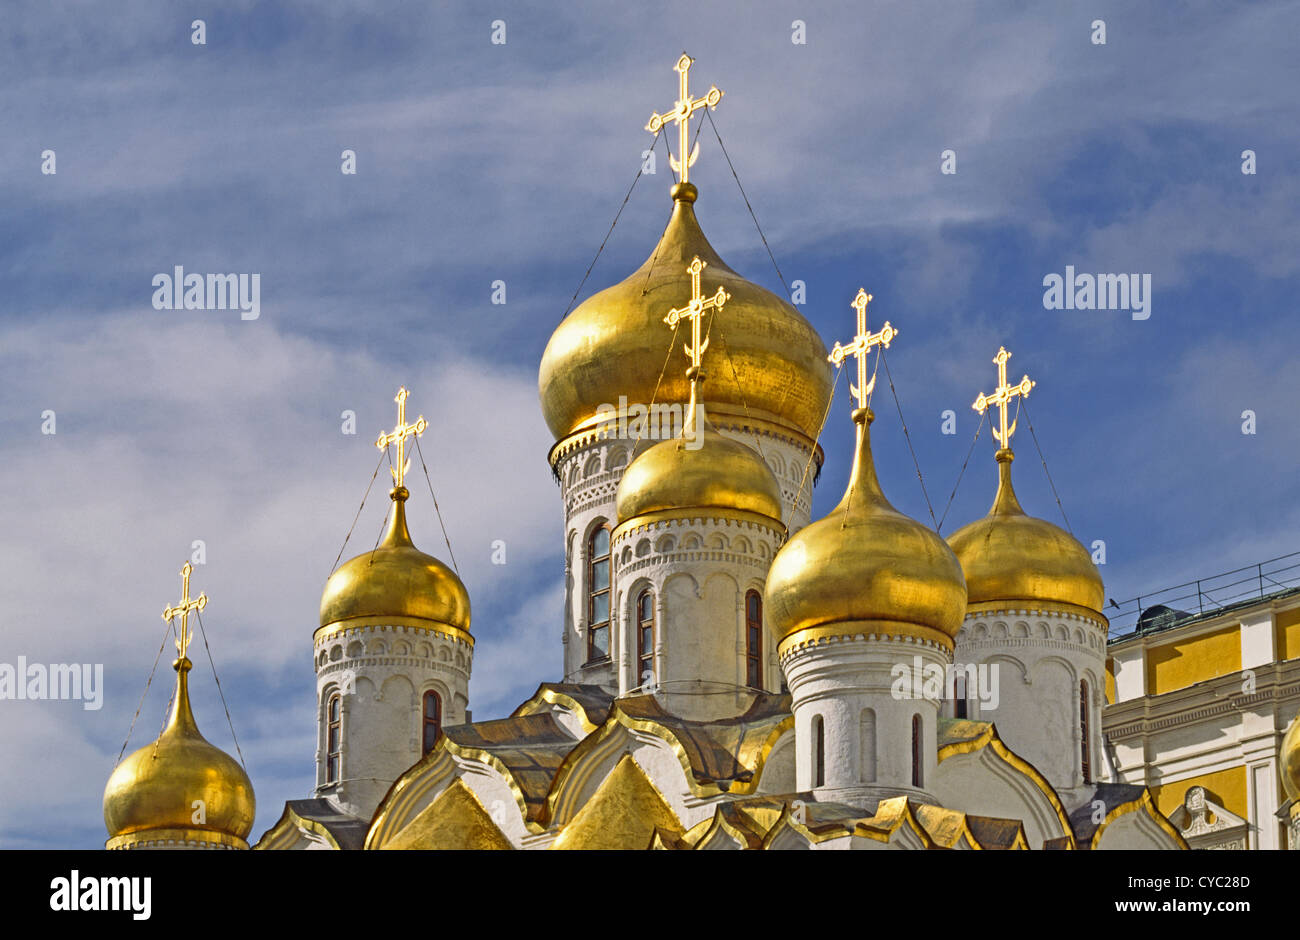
396 584
614 343
708 472
865 568
1010 557
1290 760
180 788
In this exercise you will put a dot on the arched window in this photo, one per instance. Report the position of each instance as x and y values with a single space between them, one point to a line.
598 595
1085 752
645 638
333 738
432 721
917 780
868 745
819 751
754 640
959 695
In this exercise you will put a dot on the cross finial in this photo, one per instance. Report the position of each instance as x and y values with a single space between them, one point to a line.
399 435
184 608
681 114
862 344
1002 396
695 310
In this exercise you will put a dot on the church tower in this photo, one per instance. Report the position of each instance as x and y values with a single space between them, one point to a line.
393 655
698 520
180 792
606 385
857 599
1034 632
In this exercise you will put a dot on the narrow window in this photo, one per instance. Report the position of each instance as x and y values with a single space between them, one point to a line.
432 720
916 751
819 752
1085 754
754 640
333 738
645 638
959 696
598 595
868 744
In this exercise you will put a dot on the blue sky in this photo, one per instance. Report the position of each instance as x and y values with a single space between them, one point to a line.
479 162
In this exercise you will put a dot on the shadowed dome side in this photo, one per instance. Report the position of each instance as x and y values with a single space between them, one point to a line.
614 344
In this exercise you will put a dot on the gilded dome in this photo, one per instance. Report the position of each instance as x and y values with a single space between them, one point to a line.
394 581
865 568
711 472
1011 557
1290 760
152 794
614 344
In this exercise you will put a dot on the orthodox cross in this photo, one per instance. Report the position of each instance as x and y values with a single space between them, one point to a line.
399 435
686 107
695 311
1002 397
184 608
862 344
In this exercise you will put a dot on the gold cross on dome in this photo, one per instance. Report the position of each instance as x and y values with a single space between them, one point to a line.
681 114
695 311
1002 397
862 344
184 608
399 435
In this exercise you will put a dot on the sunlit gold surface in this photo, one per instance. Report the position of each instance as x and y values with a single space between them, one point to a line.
720 474
622 814
455 820
862 344
864 562
399 435
614 344
395 580
681 115
1009 556
701 469
155 789
1289 760
1002 397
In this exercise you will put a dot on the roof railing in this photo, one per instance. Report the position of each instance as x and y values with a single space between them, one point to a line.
1168 607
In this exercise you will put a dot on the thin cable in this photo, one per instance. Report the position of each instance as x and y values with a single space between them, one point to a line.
1030 422
378 464
204 633
835 380
617 215
908 438
709 114
391 504
758 440
978 429
445 538
166 633
672 344
655 257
